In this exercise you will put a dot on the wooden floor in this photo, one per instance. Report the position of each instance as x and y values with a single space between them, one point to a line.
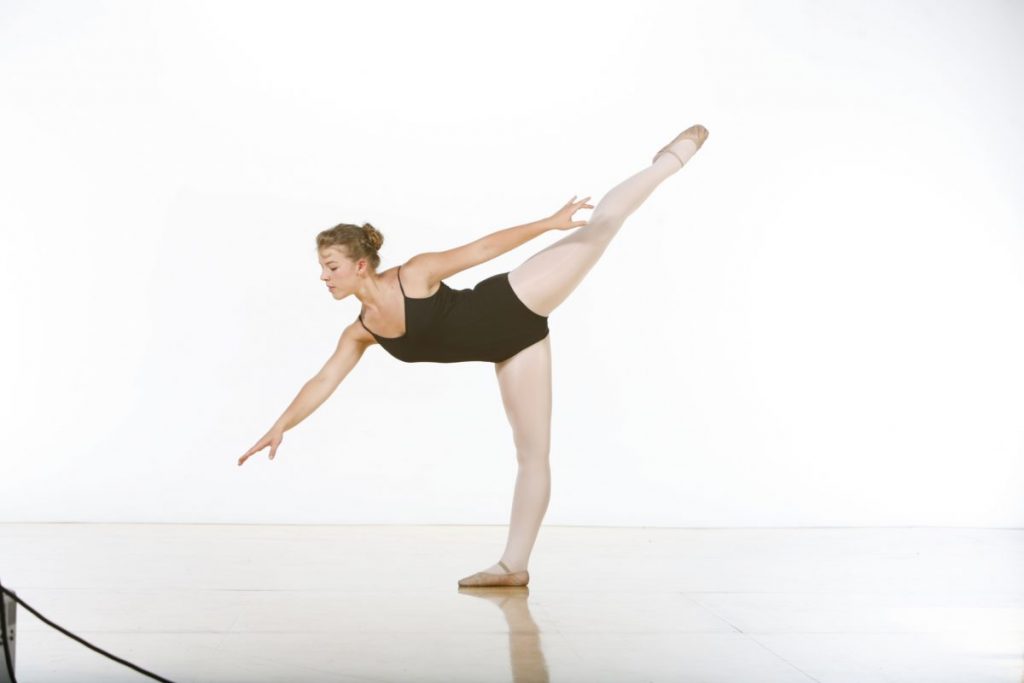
380 603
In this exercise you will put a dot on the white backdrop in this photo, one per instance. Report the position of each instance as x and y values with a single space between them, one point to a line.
817 322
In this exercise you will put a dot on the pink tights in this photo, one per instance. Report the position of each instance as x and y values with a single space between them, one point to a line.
543 282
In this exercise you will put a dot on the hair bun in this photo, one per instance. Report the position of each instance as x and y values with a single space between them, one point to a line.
355 241
372 236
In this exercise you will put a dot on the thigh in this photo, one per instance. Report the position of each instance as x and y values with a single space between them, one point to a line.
546 279
525 383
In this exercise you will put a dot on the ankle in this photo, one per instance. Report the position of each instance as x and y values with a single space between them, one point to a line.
513 566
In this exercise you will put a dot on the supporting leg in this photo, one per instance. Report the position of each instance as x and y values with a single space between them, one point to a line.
525 384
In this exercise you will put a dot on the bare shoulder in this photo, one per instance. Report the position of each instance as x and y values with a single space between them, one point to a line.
358 333
417 280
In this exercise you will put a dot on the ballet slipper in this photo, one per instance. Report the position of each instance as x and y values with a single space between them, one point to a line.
510 578
696 134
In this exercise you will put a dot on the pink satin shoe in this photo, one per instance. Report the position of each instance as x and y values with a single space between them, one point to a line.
510 578
697 133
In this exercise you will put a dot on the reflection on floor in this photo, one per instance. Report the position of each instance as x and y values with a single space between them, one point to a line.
226 603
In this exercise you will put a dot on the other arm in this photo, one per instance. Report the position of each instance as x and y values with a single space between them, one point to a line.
314 392
440 265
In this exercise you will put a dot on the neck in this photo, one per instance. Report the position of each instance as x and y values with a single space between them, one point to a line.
373 292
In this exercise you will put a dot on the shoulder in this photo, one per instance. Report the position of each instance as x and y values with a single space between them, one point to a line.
358 333
417 279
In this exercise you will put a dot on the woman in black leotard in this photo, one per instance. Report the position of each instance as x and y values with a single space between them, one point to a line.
416 317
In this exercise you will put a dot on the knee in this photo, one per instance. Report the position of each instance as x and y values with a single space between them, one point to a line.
607 216
533 456
599 231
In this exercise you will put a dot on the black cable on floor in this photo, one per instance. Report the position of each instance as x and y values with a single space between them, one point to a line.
3 625
7 653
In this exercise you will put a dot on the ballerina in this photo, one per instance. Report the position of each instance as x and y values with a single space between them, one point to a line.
416 317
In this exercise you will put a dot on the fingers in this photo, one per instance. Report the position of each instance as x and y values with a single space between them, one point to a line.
260 445
580 204
268 441
246 457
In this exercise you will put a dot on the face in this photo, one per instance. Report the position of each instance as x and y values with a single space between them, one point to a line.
339 272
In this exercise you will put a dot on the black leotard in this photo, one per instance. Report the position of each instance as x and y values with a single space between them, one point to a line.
486 323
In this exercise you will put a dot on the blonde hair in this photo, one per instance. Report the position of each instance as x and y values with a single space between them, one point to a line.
359 241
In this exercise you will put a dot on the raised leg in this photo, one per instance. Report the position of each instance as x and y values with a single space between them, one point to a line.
525 384
547 278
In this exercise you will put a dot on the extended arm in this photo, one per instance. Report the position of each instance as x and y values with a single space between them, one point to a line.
440 265
497 243
314 392
322 385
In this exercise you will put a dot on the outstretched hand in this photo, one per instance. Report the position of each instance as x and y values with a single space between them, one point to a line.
562 219
272 438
